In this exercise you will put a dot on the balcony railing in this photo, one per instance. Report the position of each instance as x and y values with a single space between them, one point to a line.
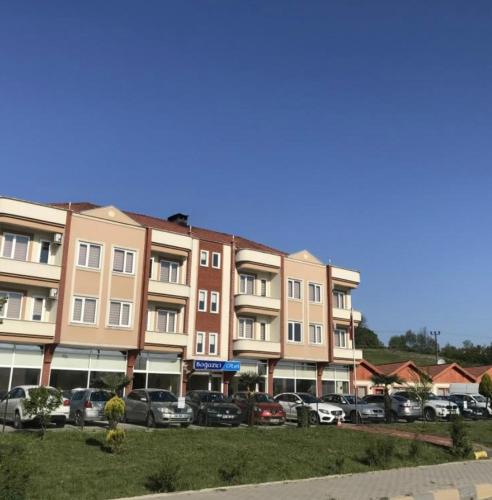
342 353
256 257
257 302
164 338
345 275
172 289
345 314
250 345
30 269
27 328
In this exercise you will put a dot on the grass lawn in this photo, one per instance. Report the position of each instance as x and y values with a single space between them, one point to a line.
69 465
381 356
480 431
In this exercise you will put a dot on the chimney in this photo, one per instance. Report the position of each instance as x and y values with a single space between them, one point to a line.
181 219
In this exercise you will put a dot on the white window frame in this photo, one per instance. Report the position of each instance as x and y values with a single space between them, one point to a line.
126 252
217 302
293 281
172 263
337 334
293 331
86 265
245 319
316 286
203 343
206 254
3 310
14 243
216 254
43 307
318 334
339 294
81 321
130 313
168 311
41 249
216 337
244 278
204 300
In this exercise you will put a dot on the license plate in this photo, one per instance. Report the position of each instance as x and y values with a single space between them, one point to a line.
228 416
274 420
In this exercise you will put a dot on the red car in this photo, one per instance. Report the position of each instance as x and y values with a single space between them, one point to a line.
265 409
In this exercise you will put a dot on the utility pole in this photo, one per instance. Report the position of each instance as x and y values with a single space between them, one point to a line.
436 333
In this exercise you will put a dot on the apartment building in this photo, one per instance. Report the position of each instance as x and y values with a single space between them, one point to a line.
92 290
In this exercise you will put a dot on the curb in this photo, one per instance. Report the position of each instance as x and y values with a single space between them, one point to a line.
473 492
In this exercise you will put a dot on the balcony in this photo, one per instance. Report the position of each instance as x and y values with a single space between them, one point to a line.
168 339
346 275
174 240
27 328
261 305
33 211
262 347
345 314
36 270
253 259
341 353
170 289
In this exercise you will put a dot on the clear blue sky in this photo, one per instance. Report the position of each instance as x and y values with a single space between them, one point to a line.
360 130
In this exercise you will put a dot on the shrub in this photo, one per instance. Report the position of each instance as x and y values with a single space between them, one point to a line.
114 440
462 446
114 411
14 473
41 403
166 479
380 454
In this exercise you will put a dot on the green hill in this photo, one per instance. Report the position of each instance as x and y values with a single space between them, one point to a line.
381 356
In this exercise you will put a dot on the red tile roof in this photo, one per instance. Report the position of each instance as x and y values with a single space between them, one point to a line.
478 371
165 225
390 368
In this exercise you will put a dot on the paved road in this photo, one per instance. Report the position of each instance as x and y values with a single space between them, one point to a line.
412 481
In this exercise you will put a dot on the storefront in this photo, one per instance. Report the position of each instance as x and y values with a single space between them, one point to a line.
336 379
290 376
250 366
159 371
19 365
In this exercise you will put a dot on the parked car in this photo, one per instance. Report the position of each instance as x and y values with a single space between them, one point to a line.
322 412
211 407
156 407
474 403
467 410
401 407
87 405
435 407
12 406
265 409
355 411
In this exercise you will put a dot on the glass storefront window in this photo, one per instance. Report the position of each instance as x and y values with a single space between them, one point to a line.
283 385
68 379
4 379
306 386
164 381
25 376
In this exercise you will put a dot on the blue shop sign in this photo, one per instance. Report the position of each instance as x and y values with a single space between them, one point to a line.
217 366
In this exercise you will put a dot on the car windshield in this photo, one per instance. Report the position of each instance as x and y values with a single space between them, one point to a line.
351 400
264 398
213 397
100 396
308 398
162 397
431 397
480 398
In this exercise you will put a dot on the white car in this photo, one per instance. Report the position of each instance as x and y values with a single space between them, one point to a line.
12 407
322 413
434 407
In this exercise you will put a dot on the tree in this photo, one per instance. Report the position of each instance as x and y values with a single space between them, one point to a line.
41 403
386 381
113 382
485 387
421 391
250 380
365 337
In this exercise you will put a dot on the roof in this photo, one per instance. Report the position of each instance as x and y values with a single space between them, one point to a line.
392 368
165 225
435 370
478 371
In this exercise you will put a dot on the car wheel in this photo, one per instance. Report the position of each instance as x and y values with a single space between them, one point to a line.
78 418
17 421
355 418
429 414
313 418
150 420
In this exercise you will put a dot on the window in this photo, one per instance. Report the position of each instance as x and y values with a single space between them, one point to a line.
247 284
166 321
212 343
339 299
123 261
12 308
294 332
204 258
15 246
216 260
89 255
44 252
84 310
315 334
263 288
314 293
200 345
246 328
37 308
169 271
340 338
119 313
263 331
214 302
202 300
294 289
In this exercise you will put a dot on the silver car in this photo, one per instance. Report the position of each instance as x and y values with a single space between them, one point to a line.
355 410
87 405
156 407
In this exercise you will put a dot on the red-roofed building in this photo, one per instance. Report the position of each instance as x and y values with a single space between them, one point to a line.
479 371
445 374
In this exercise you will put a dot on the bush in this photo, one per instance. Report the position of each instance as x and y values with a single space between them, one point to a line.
380 454
114 440
303 416
166 479
462 446
114 411
14 474
41 403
